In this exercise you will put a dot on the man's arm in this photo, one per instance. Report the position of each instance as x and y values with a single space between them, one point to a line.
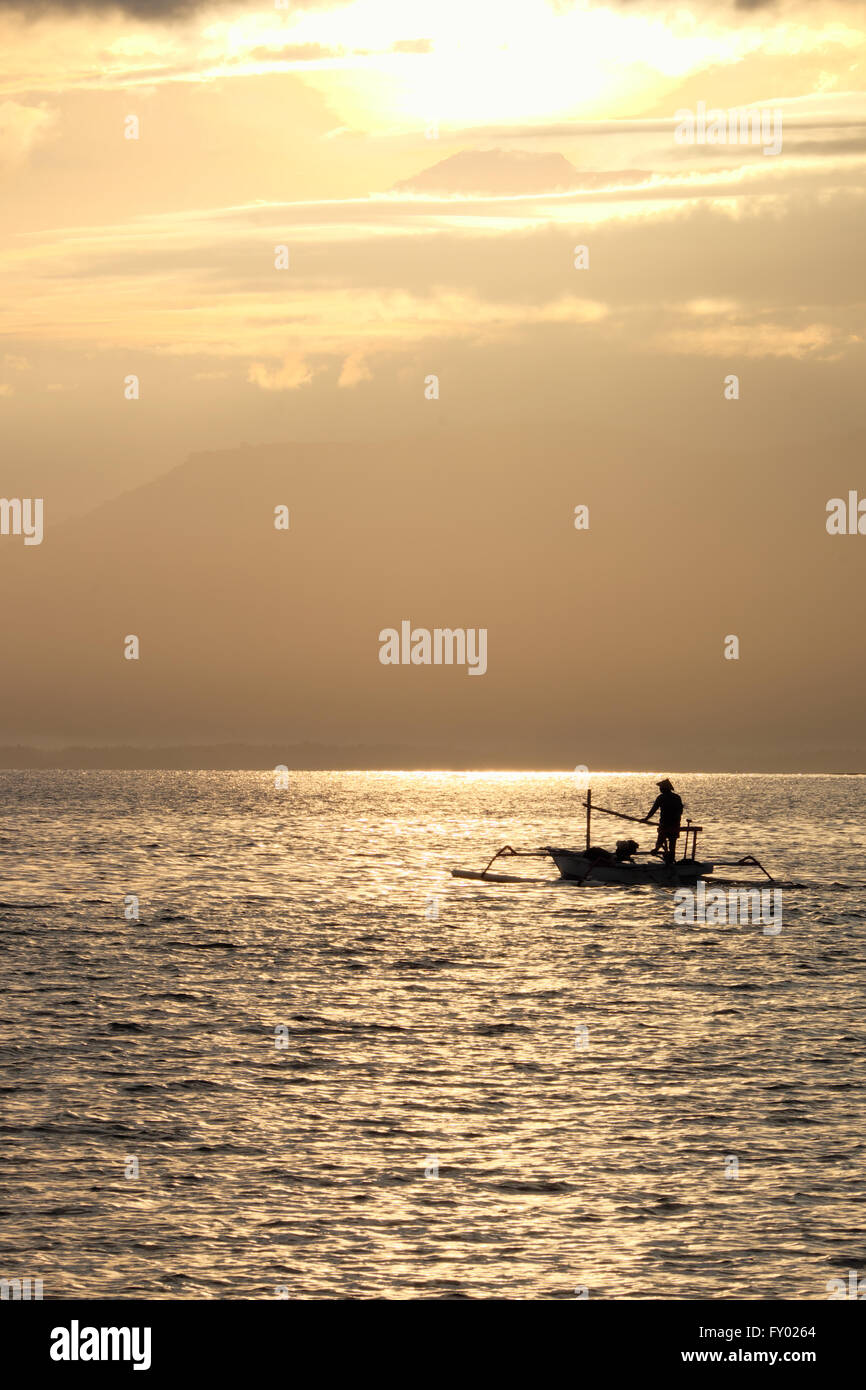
652 810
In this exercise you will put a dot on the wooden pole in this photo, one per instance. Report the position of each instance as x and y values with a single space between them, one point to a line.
621 815
588 813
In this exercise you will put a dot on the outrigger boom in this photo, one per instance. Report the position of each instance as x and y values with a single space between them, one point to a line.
579 866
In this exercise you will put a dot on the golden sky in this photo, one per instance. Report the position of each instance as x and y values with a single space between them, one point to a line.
311 127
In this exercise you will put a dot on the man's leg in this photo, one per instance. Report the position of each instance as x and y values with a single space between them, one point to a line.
671 847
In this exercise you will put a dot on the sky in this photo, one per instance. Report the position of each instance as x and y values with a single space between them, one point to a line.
546 126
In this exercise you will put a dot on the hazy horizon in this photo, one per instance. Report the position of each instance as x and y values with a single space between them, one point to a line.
186 760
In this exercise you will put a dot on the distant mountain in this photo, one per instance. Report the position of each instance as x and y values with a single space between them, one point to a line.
509 173
604 644
252 635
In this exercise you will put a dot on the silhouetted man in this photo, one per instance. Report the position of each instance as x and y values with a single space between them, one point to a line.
670 809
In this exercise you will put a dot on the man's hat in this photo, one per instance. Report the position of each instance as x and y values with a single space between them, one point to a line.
665 784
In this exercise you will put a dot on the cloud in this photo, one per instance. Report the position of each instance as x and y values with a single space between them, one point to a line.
293 373
141 9
698 266
412 46
837 110
355 370
719 7
295 53
721 337
21 128
148 9
178 9
852 145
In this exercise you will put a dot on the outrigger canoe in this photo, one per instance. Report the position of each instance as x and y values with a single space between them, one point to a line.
593 865
576 866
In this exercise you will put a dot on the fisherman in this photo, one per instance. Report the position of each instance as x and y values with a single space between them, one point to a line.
670 809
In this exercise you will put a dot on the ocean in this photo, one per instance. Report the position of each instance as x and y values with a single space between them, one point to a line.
315 1065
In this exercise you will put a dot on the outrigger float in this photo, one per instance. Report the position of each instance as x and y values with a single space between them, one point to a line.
596 865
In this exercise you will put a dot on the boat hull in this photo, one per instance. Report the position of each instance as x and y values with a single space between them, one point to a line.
576 868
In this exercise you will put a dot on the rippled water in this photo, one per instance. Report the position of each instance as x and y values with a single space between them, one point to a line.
414 1040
